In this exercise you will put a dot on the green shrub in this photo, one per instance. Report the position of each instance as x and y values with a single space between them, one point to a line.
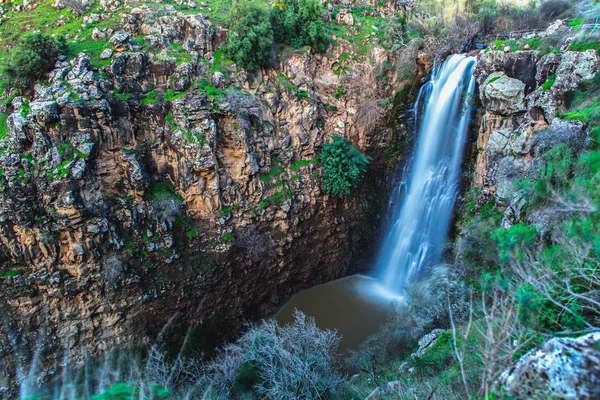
250 39
299 23
549 82
33 57
343 167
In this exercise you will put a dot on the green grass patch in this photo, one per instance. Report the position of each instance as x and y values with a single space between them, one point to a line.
549 82
164 191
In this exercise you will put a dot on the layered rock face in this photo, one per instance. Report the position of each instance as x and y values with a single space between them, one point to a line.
518 120
152 193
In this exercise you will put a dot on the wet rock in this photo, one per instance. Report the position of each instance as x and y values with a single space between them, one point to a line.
503 95
562 368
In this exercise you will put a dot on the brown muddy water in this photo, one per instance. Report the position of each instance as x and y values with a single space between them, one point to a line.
354 306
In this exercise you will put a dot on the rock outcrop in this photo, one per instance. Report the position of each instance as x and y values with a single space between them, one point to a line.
562 368
519 114
153 190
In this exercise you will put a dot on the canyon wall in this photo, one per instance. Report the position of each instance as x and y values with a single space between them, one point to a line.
149 195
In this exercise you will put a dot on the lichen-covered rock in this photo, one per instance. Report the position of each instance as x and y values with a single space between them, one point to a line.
574 68
427 342
562 368
503 95
488 62
79 6
44 111
120 41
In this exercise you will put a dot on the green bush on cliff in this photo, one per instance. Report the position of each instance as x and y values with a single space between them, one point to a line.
343 167
250 39
299 23
33 57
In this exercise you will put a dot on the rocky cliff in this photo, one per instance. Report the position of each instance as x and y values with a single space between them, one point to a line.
158 191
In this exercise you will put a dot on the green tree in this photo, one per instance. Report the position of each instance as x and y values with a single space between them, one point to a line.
299 23
250 39
33 57
343 167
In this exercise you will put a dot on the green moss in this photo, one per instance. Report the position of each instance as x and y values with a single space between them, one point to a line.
586 43
10 273
3 126
172 95
228 238
549 82
164 191
149 98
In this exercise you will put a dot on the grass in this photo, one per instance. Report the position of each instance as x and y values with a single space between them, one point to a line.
10 273
149 98
172 95
3 126
211 91
585 44
549 82
164 191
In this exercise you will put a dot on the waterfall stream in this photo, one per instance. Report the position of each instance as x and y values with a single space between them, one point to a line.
420 213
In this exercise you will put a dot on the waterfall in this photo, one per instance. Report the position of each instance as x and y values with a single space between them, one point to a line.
421 212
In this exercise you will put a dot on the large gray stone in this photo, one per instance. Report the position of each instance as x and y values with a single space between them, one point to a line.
574 68
503 95
44 111
561 368
488 63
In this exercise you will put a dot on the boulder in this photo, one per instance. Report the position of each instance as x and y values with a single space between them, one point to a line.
44 111
97 34
120 41
503 95
521 65
106 54
78 6
427 342
561 368
344 17
110 5
488 63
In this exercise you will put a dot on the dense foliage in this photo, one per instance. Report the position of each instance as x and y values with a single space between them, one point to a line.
299 23
34 56
294 361
343 167
250 39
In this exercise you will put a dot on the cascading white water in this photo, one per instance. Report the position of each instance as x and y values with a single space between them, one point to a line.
419 226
